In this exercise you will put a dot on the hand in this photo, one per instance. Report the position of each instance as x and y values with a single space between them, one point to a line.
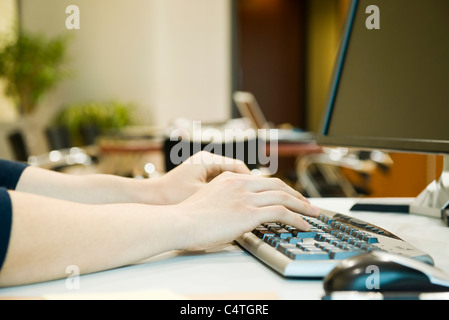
193 174
233 204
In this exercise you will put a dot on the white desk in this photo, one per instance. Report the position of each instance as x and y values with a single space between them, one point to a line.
230 273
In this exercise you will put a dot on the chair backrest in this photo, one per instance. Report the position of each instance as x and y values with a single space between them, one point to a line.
18 146
58 138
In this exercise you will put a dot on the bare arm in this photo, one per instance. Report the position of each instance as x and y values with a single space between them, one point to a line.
172 188
50 234
89 189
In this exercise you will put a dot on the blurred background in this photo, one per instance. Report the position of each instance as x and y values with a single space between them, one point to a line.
134 69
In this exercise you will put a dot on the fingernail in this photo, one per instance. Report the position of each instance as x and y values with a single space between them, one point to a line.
306 226
316 210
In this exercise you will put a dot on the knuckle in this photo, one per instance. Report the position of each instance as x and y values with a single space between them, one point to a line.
239 162
280 211
232 180
228 175
278 182
282 196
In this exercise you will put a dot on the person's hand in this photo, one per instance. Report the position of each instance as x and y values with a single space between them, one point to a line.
193 174
233 204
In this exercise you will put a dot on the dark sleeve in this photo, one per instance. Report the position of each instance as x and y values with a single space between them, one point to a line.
5 223
10 173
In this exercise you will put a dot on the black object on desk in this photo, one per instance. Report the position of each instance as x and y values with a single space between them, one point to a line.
445 216
379 207
178 150
385 272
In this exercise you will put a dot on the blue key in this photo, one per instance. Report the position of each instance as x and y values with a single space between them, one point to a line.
304 235
298 254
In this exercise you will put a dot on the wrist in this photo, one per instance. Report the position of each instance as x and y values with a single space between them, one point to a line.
148 191
184 226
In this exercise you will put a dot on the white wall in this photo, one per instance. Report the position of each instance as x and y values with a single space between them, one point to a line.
8 112
7 20
171 57
191 49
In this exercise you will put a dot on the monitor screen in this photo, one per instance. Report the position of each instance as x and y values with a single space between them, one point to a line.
390 88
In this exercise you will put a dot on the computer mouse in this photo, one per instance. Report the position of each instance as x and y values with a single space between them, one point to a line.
385 272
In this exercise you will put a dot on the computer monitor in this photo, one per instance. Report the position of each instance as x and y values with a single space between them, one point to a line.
390 89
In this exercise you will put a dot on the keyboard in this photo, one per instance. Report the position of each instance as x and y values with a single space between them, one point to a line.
333 237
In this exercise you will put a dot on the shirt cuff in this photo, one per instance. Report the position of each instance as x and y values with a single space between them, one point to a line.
5 223
10 173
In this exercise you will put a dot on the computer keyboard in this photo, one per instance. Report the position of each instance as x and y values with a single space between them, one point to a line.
333 237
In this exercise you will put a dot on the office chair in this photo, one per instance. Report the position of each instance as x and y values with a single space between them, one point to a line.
18 145
320 175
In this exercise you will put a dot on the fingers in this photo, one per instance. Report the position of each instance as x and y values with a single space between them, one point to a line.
282 214
265 184
273 200
280 206
233 165
216 164
279 197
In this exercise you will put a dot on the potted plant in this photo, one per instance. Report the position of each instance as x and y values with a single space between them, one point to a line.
32 65
85 120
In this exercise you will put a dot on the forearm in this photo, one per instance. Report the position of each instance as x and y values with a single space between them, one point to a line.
91 189
48 235
173 188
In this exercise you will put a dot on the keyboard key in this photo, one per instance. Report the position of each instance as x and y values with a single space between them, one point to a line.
321 237
265 234
343 254
289 228
282 233
371 239
358 223
335 224
354 241
306 246
294 240
271 225
332 240
258 229
323 217
304 234
336 238
275 241
368 238
283 247
325 246
298 254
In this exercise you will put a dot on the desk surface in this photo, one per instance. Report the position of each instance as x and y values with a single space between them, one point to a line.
227 272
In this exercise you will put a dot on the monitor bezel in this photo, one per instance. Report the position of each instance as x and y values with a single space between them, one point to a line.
362 142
